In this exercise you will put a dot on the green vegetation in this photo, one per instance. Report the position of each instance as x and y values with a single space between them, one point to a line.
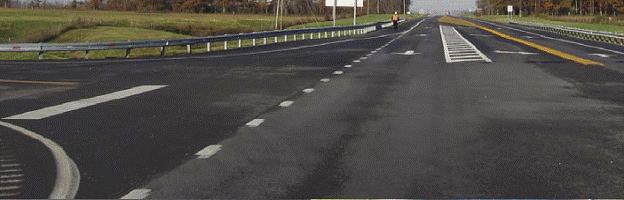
561 20
60 26
28 25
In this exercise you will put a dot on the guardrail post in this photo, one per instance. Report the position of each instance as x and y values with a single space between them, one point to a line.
239 43
275 39
295 37
303 36
264 40
225 45
339 33
285 38
319 35
207 46
325 34
188 48
40 55
311 36
253 42
162 51
86 54
128 52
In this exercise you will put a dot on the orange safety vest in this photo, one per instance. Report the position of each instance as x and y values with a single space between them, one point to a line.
395 18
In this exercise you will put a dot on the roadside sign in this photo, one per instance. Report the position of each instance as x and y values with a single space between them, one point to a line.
509 8
344 3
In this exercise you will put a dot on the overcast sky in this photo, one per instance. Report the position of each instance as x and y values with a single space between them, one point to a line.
443 5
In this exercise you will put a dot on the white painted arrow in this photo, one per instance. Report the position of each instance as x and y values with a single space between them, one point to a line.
599 54
407 53
514 52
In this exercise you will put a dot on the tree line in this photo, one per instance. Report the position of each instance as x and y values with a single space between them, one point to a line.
300 7
552 7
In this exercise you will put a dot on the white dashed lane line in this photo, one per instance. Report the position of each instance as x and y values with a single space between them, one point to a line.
208 151
363 58
338 72
348 66
356 61
286 103
254 123
137 194
309 90
325 80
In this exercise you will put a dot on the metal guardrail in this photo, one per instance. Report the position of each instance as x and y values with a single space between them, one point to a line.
128 46
602 36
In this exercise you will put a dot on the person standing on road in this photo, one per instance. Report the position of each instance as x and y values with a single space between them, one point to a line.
395 20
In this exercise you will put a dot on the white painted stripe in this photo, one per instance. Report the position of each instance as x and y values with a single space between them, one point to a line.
356 61
137 194
338 72
309 90
75 105
462 60
446 52
208 151
363 58
373 51
255 122
463 51
286 103
368 55
348 66
474 56
325 80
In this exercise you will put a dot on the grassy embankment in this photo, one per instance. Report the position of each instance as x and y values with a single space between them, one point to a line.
584 22
33 26
58 26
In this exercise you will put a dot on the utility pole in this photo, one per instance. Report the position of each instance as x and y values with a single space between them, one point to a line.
277 7
368 9
334 11
377 6
404 7
354 11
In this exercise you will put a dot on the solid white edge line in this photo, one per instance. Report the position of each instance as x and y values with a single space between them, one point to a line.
254 123
67 175
137 194
475 48
208 151
83 103
446 51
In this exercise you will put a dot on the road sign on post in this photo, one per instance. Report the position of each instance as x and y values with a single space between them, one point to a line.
509 11
344 3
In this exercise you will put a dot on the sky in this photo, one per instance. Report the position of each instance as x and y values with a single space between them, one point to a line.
442 5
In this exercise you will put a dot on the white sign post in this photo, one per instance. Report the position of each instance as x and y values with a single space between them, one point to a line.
509 11
344 3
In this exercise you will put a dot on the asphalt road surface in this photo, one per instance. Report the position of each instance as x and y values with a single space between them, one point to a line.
380 115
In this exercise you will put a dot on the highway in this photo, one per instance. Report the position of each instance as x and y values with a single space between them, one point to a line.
433 110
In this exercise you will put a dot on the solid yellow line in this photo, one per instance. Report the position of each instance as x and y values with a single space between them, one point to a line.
531 44
37 82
